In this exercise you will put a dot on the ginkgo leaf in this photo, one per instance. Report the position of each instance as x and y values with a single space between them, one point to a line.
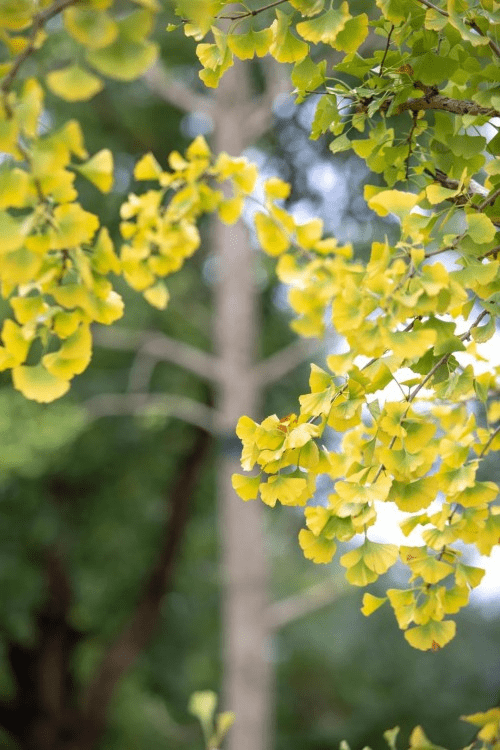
229 210
36 383
480 228
15 342
74 83
319 550
92 27
246 487
437 193
380 557
72 226
272 237
478 494
433 635
371 603
316 518
393 201
360 574
431 569
455 598
246 46
288 490
468 575
326 27
99 170
147 168
403 604
352 36
28 308
285 47
124 59
413 496
157 295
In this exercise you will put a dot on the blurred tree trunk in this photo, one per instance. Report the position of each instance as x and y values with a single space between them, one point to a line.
48 711
245 636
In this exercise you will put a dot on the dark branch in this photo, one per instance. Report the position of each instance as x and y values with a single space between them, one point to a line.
136 634
457 106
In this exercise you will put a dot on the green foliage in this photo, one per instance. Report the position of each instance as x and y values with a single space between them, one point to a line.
407 318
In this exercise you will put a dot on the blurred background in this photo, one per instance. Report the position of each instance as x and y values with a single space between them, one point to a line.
93 488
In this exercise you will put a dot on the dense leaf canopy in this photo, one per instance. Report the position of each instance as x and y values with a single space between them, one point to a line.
417 411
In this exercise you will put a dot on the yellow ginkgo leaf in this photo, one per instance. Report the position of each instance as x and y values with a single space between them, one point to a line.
147 168
379 557
16 343
288 490
403 604
230 209
431 569
99 170
319 550
74 83
371 603
432 636
245 487
326 27
360 574
36 383
285 47
157 295
272 238
72 226
392 201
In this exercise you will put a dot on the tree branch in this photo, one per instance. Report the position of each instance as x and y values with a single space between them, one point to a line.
161 348
177 93
294 607
128 645
161 404
287 359
438 101
260 111
474 188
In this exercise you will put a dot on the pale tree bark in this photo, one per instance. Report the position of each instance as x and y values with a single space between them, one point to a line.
246 635
239 117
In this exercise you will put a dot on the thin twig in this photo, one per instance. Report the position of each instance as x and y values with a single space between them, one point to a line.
250 13
490 199
434 7
386 50
493 45
410 143
473 25
491 438
445 357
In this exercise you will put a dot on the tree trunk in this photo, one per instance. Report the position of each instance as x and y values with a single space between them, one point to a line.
246 636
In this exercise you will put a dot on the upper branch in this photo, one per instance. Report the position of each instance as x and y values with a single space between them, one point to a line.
177 93
160 347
